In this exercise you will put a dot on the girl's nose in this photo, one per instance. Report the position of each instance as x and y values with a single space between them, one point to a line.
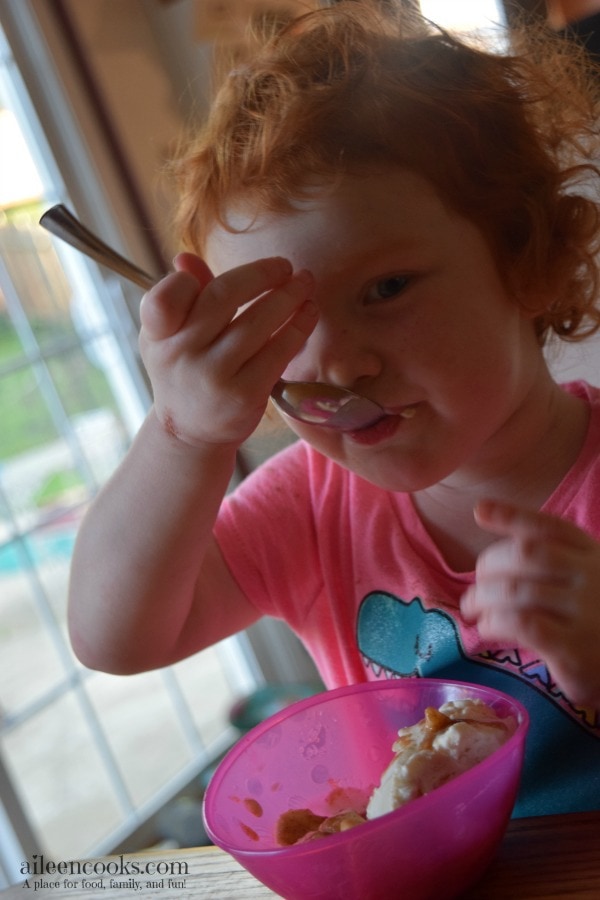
340 355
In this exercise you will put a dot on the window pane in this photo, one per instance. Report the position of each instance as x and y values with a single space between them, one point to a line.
37 275
26 420
23 637
80 381
53 546
143 730
208 708
59 772
11 348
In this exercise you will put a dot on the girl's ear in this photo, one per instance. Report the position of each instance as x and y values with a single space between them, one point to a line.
534 301
537 306
533 305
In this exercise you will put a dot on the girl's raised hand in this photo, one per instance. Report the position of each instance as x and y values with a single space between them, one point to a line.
215 346
538 586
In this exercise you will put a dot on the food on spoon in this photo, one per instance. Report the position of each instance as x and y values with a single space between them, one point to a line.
445 743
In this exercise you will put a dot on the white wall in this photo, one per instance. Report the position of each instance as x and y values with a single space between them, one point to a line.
572 361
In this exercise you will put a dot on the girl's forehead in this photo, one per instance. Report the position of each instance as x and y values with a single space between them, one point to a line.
364 210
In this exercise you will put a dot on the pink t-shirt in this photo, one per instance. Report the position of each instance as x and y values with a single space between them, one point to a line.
353 572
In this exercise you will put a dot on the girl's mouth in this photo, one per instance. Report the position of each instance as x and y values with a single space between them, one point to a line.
382 429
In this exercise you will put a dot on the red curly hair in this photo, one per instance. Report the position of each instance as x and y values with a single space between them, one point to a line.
507 139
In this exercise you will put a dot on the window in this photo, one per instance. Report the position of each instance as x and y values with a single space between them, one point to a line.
464 15
84 757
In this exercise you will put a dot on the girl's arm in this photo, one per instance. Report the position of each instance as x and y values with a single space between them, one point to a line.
148 583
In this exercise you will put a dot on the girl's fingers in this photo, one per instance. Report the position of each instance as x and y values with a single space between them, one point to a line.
283 346
506 519
535 548
269 315
193 265
540 629
224 295
532 558
518 596
538 587
192 296
166 307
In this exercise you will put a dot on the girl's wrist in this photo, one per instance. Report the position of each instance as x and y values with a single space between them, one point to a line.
170 440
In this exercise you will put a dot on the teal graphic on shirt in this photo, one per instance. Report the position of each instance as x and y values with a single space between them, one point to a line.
401 639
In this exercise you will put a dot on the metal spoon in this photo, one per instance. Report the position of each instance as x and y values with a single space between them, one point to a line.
311 402
63 224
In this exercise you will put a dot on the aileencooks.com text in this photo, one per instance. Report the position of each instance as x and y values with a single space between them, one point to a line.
115 865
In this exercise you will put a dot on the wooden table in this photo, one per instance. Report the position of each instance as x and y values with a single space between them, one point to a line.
539 859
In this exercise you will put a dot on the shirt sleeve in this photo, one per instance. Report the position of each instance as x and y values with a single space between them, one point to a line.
266 533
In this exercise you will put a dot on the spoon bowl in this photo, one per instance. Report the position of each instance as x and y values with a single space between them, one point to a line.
314 403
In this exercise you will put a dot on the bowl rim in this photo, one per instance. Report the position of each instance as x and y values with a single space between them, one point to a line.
326 696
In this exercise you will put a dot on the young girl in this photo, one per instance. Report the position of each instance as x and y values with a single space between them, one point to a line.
383 208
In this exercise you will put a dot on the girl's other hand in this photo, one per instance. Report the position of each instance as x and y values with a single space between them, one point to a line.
538 587
215 347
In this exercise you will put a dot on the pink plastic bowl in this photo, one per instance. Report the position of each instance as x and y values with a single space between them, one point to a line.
325 752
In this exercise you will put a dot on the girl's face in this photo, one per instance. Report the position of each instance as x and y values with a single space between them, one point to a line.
414 315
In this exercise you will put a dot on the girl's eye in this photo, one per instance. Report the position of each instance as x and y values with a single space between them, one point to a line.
386 288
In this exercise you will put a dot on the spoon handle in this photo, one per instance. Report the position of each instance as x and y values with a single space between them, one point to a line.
63 224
